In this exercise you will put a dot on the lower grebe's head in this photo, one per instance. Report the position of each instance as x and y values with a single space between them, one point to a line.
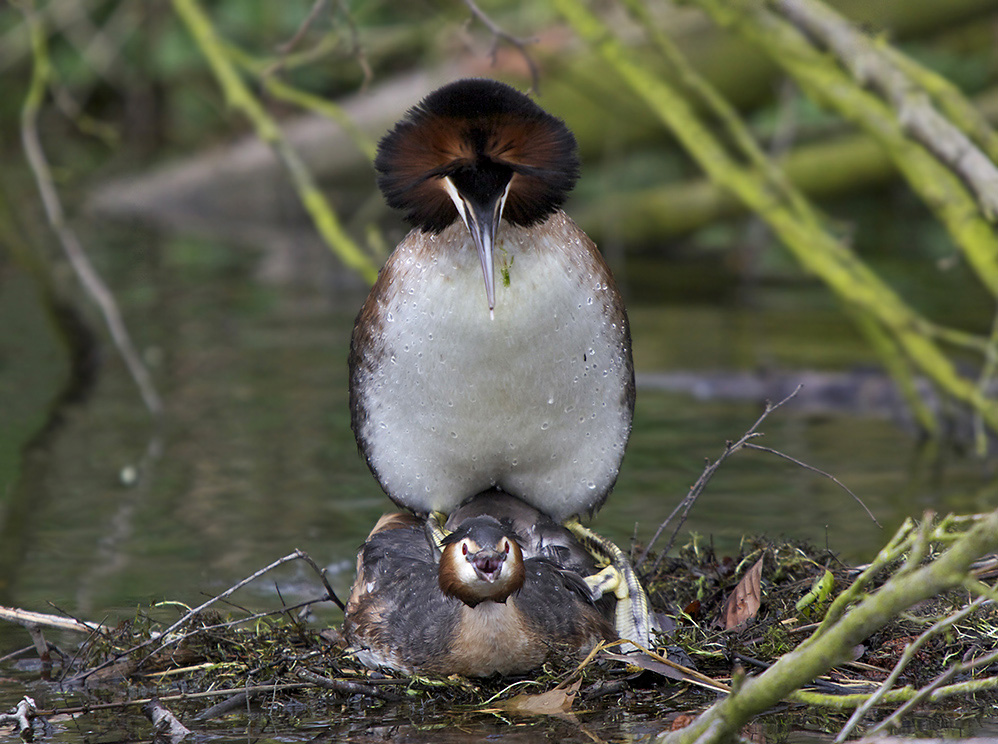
481 561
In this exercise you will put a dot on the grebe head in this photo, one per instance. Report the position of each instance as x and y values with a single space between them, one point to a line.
481 561
481 151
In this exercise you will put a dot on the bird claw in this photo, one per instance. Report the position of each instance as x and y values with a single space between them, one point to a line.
435 530
633 619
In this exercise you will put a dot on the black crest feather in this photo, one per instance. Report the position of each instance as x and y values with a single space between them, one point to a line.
470 126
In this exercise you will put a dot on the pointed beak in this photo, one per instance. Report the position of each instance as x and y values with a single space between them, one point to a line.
482 221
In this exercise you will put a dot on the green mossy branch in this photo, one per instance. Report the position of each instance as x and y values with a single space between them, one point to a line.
792 219
833 642
937 185
238 95
303 99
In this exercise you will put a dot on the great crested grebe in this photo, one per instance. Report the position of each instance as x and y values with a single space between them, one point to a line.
492 601
527 386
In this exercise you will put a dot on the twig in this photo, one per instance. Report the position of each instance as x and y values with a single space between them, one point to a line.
183 696
686 504
832 478
27 617
15 654
322 577
499 34
317 7
347 686
88 276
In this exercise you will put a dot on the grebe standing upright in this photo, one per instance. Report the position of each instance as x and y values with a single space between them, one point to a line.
527 386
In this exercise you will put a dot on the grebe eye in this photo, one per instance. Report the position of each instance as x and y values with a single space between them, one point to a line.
505 546
464 548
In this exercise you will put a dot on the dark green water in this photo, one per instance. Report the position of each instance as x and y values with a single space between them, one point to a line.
257 457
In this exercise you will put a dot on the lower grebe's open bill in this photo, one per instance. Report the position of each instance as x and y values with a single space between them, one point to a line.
479 607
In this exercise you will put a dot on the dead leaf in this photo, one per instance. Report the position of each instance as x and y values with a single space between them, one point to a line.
556 702
744 602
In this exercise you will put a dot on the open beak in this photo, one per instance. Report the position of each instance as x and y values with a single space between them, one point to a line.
487 564
482 221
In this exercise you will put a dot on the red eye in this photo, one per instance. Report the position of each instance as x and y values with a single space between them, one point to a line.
464 548
505 548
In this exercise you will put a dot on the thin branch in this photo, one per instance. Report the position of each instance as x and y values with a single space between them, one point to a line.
346 686
322 577
832 478
520 44
686 504
173 698
88 276
317 7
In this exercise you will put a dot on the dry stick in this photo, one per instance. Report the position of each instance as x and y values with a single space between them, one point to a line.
25 617
322 576
348 686
498 34
183 696
813 469
88 276
694 493
15 654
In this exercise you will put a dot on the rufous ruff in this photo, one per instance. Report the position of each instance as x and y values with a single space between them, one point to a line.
527 386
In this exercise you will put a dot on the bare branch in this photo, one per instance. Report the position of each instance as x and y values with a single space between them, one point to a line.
71 245
686 504
317 7
813 469
499 34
